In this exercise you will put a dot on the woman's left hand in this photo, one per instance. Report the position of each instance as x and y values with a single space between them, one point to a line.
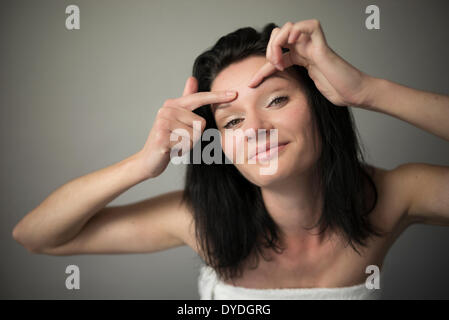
336 79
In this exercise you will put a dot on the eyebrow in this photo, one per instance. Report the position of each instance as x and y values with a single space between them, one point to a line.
272 76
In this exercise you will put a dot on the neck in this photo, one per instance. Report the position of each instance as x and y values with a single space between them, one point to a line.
295 206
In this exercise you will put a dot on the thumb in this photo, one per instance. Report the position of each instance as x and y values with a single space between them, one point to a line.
191 86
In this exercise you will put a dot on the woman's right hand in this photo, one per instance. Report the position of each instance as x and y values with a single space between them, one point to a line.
176 114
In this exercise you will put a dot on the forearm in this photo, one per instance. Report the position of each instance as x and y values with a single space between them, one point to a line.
62 215
426 110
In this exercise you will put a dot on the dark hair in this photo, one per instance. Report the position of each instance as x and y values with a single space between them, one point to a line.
231 221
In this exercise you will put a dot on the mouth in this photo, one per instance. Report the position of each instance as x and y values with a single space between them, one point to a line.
268 151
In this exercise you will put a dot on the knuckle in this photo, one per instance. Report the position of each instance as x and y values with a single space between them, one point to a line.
161 112
165 150
168 102
160 138
163 124
167 112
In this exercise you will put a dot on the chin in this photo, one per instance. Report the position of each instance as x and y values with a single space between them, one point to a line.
254 174
266 181
291 161
288 166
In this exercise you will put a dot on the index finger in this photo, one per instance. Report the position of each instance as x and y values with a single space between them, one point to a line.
266 70
198 99
191 86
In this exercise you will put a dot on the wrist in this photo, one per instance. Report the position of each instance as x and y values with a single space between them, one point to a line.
136 167
372 88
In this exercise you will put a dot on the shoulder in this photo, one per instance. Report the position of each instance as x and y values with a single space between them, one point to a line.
411 193
425 188
393 197
183 220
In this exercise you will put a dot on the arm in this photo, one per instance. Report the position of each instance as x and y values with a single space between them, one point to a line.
422 189
425 187
426 110
147 226
73 219
62 215
344 85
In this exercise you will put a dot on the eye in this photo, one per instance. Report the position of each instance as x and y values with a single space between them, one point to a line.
276 101
229 123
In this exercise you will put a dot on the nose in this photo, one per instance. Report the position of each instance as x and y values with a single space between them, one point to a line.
257 124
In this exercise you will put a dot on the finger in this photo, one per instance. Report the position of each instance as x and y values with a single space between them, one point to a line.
267 69
180 114
190 135
271 48
191 86
286 59
176 128
294 34
198 99
273 35
186 142
180 129
278 42
312 27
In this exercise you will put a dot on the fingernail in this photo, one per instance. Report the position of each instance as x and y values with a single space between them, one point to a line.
230 93
253 81
278 66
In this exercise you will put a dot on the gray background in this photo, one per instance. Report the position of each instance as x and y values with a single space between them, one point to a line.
73 102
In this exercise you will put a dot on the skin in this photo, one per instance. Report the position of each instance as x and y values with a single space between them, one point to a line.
343 85
411 193
287 194
75 220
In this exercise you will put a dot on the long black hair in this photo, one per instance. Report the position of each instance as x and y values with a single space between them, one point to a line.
231 220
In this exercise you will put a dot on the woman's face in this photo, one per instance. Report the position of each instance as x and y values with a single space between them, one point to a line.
279 103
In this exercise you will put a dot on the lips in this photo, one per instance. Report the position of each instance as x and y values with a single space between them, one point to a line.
266 149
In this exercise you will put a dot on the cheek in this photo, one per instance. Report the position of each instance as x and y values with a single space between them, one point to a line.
296 117
299 121
232 145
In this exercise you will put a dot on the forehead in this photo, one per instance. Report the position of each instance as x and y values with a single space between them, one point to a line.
237 75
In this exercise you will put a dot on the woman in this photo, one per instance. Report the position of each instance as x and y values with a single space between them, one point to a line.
310 229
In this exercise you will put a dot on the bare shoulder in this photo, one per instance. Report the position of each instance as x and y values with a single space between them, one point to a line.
394 196
425 190
182 221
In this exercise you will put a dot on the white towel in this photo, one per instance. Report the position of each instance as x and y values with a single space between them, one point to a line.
212 288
